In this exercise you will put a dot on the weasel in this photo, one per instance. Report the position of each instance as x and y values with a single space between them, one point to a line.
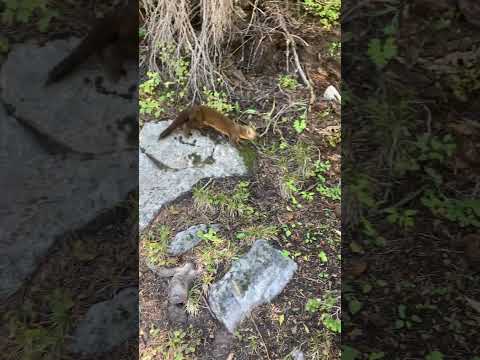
200 117
115 37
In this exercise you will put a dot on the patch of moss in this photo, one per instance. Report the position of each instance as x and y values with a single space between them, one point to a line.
249 156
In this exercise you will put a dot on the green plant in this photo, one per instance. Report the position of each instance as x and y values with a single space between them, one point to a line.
214 250
257 232
302 154
327 10
381 52
332 192
334 49
156 93
194 299
22 11
361 189
35 337
463 212
232 204
218 101
433 148
300 123
180 345
148 102
405 320
403 218
203 199
312 305
331 323
156 244
325 306
237 204
288 82
464 82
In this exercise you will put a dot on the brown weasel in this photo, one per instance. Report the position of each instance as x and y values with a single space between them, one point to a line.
200 117
115 37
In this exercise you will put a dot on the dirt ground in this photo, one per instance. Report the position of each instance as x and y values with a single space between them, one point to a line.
410 234
309 230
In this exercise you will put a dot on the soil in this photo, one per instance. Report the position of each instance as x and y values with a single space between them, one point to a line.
410 299
275 330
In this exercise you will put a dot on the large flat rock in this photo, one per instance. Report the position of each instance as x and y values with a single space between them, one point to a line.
45 196
255 279
16 143
75 112
170 167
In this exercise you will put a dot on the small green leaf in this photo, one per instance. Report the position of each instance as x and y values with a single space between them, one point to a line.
354 306
323 256
356 248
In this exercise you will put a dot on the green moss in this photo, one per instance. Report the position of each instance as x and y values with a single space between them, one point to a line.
249 156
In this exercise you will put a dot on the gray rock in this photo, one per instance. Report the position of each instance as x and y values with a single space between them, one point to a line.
71 111
170 167
297 354
187 239
254 279
50 195
16 143
332 94
107 324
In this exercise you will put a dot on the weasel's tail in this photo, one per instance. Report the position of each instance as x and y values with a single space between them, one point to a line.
181 119
100 35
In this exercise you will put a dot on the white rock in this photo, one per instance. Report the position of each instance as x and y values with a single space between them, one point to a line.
171 166
332 94
254 279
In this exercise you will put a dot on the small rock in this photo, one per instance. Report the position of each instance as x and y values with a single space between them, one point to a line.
332 94
297 354
338 210
108 324
187 239
255 279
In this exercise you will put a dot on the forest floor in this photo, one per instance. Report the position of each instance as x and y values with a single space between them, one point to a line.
411 166
291 198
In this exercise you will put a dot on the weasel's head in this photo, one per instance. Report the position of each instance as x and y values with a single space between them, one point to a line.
249 133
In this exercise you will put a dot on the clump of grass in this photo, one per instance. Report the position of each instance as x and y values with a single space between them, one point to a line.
234 204
288 82
174 344
203 199
156 244
213 251
32 336
256 232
